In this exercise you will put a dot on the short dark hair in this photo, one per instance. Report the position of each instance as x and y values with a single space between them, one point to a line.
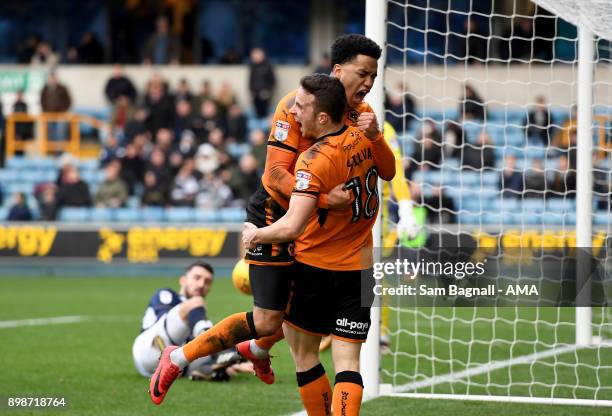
346 47
329 94
201 264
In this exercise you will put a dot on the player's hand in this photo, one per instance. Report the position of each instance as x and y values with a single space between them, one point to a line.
339 198
368 124
407 226
248 235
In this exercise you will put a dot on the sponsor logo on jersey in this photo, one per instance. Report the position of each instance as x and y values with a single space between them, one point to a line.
281 130
302 180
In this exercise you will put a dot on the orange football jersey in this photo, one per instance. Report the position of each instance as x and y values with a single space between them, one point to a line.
333 239
285 135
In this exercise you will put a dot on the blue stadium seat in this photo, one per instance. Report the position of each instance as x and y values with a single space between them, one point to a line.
16 162
206 215
232 215
75 214
101 214
90 164
152 214
602 218
133 202
6 176
504 205
25 187
180 214
553 218
3 214
535 205
490 178
470 218
560 205
127 215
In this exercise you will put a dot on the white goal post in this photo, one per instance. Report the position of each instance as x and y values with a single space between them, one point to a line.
558 355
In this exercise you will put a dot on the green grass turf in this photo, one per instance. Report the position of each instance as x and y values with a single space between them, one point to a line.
440 341
90 362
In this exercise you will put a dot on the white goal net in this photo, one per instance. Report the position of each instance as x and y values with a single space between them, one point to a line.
488 100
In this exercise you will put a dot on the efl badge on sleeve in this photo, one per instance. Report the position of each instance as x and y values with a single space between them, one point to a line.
302 180
281 130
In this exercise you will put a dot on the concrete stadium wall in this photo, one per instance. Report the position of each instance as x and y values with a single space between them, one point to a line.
435 87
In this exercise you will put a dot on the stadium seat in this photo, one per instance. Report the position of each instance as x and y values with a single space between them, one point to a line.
101 214
534 205
560 205
152 214
504 204
602 218
6 176
232 215
91 164
180 214
206 215
3 213
127 215
75 214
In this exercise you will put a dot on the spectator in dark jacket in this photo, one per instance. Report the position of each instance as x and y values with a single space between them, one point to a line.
119 85
236 123
401 108
162 47
154 193
160 108
73 192
479 155
511 182
472 106
90 51
22 130
261 82
55 98
539 123
20 210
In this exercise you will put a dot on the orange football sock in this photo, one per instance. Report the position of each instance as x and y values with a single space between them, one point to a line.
227 333
348 391
315 391
266 343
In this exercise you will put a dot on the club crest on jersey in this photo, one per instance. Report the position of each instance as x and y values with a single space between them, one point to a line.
353 116
302 180
281 130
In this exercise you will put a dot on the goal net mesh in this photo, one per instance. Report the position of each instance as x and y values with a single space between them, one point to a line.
482 97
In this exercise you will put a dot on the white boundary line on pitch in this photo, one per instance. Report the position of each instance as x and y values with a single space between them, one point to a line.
485 368
42 321
59 320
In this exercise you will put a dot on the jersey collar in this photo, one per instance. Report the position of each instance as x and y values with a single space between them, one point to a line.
337 133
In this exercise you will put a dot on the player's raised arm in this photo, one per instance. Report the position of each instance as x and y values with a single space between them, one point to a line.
283 149
383 155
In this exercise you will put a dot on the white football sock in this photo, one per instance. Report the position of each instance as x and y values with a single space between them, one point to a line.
178 358
257 351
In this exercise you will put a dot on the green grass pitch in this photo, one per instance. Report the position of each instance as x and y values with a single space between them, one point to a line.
90 362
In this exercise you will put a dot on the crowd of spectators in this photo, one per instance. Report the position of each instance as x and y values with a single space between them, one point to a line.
171 145
168 145
436 142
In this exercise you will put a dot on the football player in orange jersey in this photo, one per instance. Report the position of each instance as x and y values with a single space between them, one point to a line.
354 60
333 278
